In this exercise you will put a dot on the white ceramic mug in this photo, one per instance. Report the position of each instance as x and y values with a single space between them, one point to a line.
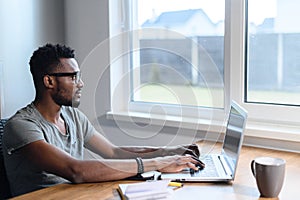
269 174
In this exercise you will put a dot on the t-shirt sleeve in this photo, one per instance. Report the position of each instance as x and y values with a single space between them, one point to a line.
20 132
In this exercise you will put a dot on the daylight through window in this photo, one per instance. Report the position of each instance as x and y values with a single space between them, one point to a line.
273 61
177 55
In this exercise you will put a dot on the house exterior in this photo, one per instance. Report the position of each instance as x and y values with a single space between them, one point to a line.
276 70
186 22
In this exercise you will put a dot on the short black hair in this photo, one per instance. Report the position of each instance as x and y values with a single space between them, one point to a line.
46 59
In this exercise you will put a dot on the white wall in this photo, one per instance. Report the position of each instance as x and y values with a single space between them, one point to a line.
25 25
86 25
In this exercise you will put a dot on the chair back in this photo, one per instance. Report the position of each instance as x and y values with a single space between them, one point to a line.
4 185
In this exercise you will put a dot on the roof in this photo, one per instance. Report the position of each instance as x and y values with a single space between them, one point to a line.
267 25
173 18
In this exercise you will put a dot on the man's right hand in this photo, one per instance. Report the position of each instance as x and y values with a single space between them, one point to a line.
177 163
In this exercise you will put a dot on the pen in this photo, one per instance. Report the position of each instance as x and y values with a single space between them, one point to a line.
176 184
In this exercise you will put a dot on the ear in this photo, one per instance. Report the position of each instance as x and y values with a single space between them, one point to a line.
48 81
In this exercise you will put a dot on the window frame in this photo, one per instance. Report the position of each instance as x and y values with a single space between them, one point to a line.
260 116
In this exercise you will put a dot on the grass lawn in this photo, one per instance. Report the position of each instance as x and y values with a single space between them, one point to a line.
199 96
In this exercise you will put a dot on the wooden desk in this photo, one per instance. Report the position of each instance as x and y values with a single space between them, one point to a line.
244 186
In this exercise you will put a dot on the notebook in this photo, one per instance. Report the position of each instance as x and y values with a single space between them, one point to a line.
145 190
219 167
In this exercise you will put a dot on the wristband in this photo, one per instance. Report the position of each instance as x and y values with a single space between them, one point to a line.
140 165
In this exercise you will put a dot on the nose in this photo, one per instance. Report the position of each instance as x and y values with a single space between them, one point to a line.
80 84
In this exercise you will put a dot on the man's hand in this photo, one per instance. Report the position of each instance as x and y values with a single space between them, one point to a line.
191 149
177 163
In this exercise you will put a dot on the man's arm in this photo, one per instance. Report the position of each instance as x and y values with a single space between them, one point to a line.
150 152
53 160
101 146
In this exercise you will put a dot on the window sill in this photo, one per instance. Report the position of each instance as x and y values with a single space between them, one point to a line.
168 120
253 129
273 131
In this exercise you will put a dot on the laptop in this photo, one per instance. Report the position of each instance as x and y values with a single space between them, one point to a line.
219 167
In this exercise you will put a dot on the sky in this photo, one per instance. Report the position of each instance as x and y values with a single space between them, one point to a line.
213 8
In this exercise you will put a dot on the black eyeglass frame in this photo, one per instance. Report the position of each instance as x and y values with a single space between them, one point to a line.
77 75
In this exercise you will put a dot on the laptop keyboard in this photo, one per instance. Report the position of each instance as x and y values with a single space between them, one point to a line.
209 171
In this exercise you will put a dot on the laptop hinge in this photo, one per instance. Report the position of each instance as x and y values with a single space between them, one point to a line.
225 166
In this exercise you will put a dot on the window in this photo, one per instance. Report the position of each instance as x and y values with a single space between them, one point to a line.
178 55
272 77
179 69
273 61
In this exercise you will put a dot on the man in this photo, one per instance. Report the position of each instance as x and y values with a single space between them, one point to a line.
44 142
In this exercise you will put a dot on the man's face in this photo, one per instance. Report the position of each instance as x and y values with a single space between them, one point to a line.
69 83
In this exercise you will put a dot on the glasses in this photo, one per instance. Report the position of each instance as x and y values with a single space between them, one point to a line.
76 76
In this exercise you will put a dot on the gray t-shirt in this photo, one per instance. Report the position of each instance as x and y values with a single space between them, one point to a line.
28 126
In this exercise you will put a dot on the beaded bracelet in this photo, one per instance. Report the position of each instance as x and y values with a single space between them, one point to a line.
140 165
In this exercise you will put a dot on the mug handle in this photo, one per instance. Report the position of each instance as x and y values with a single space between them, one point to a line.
253 168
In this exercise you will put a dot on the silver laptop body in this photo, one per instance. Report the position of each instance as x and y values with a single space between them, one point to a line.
219 167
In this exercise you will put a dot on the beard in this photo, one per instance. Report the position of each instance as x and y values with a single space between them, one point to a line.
65 98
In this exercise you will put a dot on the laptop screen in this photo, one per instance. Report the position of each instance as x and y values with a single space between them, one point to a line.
234 135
